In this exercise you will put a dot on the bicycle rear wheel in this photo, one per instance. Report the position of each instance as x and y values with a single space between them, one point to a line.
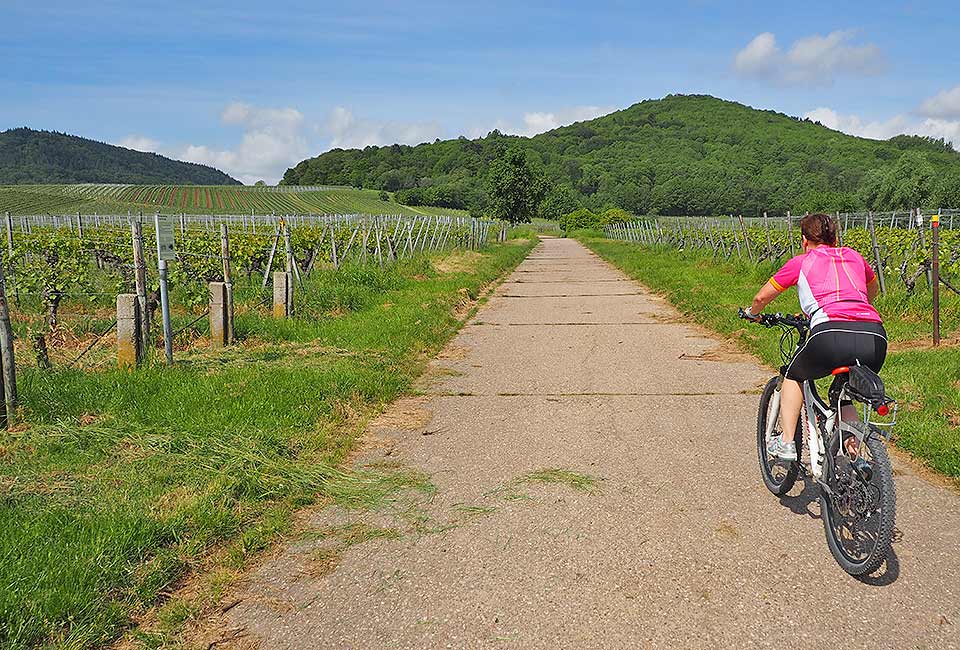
859 516
778 475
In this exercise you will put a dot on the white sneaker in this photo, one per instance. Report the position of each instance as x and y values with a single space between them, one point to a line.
780 449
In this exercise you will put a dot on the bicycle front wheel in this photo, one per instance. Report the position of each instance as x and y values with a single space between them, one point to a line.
778 475
859 515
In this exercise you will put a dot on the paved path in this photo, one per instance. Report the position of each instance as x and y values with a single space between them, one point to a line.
573 366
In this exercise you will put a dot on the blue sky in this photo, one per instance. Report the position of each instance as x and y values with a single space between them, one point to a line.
254 87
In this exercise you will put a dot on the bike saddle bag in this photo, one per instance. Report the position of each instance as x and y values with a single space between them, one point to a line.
865 385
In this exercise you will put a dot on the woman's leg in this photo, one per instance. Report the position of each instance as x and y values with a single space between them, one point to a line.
791 401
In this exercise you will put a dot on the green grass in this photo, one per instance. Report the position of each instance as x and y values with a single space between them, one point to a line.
122 482
199 199
926 381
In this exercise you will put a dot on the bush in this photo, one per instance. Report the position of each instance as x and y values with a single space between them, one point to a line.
579 220
614 215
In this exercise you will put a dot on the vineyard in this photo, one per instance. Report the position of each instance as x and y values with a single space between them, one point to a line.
63 274
897 244
159 468
194 199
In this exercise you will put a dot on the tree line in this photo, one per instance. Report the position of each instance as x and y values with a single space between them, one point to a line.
692 155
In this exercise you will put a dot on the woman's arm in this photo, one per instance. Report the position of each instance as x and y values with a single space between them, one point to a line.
763 298
873 288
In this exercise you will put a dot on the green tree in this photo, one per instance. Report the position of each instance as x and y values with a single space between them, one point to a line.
559 201
260 184
516 187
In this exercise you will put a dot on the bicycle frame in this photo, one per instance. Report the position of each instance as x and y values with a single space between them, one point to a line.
817 428
808 414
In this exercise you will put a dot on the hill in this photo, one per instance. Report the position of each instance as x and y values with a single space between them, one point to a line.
199 199
677 155
31 157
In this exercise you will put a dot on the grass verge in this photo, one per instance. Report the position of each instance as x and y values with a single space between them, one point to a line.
925 380
120 483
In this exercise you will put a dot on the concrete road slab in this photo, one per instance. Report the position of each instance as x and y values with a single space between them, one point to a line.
675 543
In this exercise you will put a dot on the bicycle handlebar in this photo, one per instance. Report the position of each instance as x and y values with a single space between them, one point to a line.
770 320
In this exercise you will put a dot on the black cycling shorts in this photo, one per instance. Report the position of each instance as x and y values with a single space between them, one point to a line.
839 343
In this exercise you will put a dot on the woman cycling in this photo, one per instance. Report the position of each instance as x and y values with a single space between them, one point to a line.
836 287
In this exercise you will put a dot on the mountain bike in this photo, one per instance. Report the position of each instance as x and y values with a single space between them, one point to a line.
846 459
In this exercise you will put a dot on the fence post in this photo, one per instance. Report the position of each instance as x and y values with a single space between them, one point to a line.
219 315
935 225
282 294
876 254
746 238
291 264
129 339
9 375
140 279
333 245
16 290
923 244
228 283
273 252
766 229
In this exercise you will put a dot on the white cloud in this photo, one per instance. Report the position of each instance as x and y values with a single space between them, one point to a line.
760 57
139 143
944 104
811 60
346 131
273 140
885 129
541 121
538 122
854 125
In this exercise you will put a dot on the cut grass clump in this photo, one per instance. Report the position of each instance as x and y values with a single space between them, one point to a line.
578 481
922 378
119 483
573 480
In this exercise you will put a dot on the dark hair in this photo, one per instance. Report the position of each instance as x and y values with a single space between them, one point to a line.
819 229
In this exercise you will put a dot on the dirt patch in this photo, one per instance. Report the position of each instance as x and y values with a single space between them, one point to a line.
406 414
727 530
462 262
727 352
453 352
922 344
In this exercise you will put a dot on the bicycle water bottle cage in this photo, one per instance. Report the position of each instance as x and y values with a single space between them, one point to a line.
865 385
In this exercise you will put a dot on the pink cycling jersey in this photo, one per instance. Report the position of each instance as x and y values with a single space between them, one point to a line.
832 283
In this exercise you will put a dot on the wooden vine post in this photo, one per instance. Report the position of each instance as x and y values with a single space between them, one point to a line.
9 374
746 238
876 254
935 226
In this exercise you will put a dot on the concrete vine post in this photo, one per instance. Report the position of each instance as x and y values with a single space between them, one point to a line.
140 280
228 282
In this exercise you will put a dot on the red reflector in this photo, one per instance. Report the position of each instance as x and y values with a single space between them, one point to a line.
883 409
840 370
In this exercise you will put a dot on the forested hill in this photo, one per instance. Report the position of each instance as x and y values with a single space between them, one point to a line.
683 154
46 157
